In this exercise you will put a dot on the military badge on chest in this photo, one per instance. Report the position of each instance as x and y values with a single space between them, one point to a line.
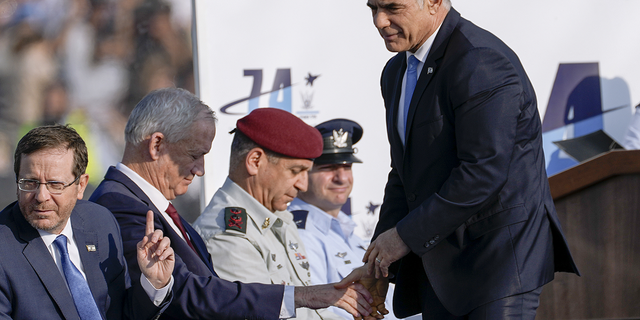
341 255
235 218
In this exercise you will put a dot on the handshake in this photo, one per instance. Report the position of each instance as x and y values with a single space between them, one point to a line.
359 293
364 290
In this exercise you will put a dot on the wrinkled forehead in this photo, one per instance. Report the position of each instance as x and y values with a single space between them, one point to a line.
53 161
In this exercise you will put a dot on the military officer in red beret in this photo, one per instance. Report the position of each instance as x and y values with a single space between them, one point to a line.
168 134
247 229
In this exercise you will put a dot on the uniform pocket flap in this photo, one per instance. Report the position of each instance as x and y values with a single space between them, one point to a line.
496 221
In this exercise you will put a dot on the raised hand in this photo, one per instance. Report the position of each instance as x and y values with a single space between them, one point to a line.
155 255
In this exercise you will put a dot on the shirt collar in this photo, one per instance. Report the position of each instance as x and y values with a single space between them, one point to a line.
322 220
156 197
255 210
48 237
423 51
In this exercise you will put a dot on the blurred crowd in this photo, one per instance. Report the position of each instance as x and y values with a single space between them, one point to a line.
87 62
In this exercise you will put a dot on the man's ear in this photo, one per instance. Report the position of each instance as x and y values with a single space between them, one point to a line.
254 160
82 185
433 5
157 144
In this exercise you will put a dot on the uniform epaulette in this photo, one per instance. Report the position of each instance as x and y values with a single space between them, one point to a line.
235 218
300 218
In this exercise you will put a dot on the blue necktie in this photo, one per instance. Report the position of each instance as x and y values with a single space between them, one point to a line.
82 298
410 86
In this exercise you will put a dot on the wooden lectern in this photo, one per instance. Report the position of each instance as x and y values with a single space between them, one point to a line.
598 203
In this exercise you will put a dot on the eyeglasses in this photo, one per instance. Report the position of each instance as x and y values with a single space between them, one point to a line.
54 187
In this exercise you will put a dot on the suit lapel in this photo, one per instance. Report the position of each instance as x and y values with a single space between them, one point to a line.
431 64
89 249
396 69
198 243
40 259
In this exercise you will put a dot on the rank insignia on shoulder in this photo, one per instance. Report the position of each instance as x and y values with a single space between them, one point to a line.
235 218
300 218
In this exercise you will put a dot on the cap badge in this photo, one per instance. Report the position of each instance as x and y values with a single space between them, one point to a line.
340 138
305 265
293 246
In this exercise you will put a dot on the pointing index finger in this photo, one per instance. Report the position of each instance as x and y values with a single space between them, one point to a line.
150 226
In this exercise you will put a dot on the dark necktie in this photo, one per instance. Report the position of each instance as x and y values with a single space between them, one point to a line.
173 213
410 86
82 298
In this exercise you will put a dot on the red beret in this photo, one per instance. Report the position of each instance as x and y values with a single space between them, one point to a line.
281 132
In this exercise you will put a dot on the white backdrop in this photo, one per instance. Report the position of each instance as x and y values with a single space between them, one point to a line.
336 41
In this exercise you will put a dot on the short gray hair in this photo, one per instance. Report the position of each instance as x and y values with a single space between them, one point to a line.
171 111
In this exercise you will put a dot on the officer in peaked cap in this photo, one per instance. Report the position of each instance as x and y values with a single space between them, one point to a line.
247 229
326 231
339 136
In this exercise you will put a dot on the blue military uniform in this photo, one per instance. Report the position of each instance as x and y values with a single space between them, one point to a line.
333 248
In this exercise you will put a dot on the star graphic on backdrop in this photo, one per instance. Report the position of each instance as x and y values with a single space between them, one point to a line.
372 207
311 78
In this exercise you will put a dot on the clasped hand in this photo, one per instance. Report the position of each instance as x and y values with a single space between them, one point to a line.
376 287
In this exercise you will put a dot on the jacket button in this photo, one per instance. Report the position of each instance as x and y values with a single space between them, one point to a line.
427 245
432 241
411 197
437 237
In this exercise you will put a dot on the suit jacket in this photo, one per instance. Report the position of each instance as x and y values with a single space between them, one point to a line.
199 293
468 193
32 287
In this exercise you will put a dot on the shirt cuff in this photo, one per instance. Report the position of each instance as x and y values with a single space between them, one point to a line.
156 295
288 308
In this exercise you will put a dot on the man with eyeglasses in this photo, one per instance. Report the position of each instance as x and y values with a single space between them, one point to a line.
62 256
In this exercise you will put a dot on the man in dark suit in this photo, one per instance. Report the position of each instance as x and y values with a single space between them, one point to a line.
467 225
62 256
167 135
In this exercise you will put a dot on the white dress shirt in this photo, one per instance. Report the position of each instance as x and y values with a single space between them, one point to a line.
156 295
287 310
